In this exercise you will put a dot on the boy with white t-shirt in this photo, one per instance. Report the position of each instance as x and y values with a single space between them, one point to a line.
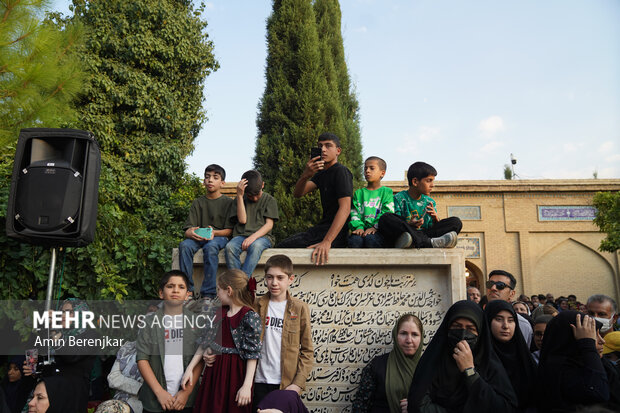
287 354
165 346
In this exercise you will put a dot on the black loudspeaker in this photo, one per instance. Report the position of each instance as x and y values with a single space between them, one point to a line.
54 188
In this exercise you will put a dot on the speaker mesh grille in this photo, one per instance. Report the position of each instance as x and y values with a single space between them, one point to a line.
48 197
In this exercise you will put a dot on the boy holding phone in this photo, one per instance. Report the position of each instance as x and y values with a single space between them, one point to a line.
207 227
335 184
415 222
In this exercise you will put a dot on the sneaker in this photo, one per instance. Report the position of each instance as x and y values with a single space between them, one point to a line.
403 241
445 241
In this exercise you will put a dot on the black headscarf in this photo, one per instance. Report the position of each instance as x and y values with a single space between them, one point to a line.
438 375
60 393
13 390
572 372
514 355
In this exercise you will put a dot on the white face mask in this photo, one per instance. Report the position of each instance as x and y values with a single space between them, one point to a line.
606 322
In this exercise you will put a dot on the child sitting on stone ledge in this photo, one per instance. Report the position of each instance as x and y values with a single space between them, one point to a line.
369 204
415 222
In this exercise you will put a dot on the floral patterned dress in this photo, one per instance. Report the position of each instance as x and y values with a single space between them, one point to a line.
237 340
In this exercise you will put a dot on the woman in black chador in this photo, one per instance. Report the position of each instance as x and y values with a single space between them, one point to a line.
570 365
513 352
460 372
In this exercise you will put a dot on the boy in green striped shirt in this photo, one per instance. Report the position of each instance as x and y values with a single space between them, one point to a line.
368 205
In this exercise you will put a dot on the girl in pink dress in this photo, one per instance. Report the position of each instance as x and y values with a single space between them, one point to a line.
230 349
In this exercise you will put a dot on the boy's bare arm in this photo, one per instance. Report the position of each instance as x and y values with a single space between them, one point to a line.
226 232
164 398
241 215
261 232
320 254
304 184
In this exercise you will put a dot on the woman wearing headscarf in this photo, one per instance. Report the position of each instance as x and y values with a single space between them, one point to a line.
74 363
16 385
385 380
459 371
570 364
512 351
53 395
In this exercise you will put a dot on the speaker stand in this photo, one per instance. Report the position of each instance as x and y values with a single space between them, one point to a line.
48 299
50 281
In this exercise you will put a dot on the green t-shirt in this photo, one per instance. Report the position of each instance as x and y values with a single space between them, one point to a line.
368 206
206 212
407 207
256 212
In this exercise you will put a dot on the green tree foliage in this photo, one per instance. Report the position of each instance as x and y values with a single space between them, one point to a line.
345 117
147 61
291 111
507 172
302 99
39 74
608 219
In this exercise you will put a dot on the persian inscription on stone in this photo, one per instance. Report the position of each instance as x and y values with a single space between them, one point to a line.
352 316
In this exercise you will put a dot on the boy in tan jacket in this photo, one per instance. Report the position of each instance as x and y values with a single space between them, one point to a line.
287 354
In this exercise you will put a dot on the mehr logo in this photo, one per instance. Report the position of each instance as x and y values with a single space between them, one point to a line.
53 319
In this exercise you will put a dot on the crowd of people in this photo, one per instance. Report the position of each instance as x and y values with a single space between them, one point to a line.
490 353
496 352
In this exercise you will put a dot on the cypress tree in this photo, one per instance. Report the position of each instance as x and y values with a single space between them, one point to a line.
328 18
291 111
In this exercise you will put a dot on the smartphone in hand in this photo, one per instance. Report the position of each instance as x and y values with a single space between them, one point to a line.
314 152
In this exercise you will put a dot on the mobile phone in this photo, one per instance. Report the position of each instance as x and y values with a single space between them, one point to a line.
314 152
32 357
204 232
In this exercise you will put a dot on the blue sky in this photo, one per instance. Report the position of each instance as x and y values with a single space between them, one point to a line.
458 84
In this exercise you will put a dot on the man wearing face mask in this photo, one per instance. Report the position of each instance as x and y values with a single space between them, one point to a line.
501 286
604 310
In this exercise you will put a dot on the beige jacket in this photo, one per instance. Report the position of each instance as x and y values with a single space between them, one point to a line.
297 354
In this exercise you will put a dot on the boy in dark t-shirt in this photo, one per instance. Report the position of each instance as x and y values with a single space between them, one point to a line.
209 211
335 184
253 217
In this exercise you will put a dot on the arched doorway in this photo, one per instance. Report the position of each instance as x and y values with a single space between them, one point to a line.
473 275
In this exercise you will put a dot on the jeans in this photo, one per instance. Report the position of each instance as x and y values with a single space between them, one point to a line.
210 251
375 240
233 252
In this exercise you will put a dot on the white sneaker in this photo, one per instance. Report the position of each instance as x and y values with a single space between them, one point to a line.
448 240
403 241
